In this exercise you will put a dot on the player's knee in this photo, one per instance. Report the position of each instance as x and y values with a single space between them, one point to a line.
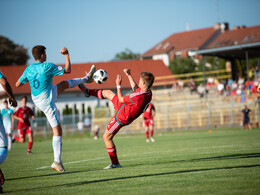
107 137
64 84
22 140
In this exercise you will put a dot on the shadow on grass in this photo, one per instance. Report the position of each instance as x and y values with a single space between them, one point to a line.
132 177
224 157
47 175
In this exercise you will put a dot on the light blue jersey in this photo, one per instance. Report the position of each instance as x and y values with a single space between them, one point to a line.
40 77
7 115
3 139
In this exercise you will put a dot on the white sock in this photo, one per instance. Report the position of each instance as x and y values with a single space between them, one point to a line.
75 82
57 148
9 142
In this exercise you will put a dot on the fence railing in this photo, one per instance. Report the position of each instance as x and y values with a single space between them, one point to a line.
172 113
167 80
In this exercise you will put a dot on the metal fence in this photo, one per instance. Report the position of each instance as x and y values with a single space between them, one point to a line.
172 113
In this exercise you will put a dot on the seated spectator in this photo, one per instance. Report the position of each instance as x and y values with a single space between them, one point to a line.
254 87
230 81
241 81
174 86
249 84
192 85
216 81
201 90
210 81
220 88
180 85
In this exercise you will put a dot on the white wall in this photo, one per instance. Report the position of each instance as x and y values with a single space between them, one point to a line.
163 57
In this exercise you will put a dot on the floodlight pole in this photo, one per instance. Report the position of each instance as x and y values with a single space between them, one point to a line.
247 70
204 76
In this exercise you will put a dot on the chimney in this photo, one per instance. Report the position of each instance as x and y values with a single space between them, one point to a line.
238 27
224 26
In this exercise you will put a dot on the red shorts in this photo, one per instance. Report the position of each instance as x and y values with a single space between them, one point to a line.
25 131
114 126
148 122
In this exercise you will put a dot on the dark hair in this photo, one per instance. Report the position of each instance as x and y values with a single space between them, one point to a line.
24 97
148 79
37 51
5 102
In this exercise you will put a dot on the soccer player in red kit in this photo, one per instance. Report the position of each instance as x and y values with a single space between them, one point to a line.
128 108
148 121
23 124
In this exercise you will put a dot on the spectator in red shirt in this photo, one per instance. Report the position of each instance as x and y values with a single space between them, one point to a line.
23 124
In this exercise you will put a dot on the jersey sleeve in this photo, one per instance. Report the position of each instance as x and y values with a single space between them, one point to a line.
131 99
12 112
1 75
23 79
128 100
17 112
56 70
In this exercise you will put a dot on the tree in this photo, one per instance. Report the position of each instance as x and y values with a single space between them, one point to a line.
11 53
182 66
127 55
212 63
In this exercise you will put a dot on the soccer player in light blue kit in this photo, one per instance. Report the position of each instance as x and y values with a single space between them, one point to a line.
8 120
3 139
44 94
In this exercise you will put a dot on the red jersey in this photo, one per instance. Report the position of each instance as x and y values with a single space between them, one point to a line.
134 105
148 114
24 113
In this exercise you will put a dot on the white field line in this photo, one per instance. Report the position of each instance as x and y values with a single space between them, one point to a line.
100 158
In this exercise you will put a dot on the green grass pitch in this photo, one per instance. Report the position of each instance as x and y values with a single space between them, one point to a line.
226 161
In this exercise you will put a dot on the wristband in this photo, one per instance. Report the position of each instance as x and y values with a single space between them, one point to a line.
118 86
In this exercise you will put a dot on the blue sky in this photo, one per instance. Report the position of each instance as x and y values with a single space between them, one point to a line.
96 30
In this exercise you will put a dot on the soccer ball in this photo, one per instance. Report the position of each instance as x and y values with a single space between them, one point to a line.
100 76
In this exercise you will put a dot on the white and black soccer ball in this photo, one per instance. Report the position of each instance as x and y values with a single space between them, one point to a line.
100 76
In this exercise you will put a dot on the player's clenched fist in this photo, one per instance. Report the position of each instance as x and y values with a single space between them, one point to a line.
127 71
64 51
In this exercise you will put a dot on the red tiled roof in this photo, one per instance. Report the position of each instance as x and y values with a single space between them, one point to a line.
157 67
182 41
236 37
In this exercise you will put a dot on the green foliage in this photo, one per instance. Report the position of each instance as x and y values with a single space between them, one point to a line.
127 55
182 66
11 53
241 65
215 64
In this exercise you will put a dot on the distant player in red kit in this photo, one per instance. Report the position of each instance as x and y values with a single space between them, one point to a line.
23 124
148 121
128 108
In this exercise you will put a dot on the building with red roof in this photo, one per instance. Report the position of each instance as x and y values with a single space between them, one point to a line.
113 68
183 43
74 98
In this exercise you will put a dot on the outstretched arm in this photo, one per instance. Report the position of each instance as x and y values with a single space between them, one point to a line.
133 84
119 91
9 91
64 51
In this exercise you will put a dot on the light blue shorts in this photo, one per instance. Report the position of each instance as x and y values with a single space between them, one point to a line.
46 103
3 154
